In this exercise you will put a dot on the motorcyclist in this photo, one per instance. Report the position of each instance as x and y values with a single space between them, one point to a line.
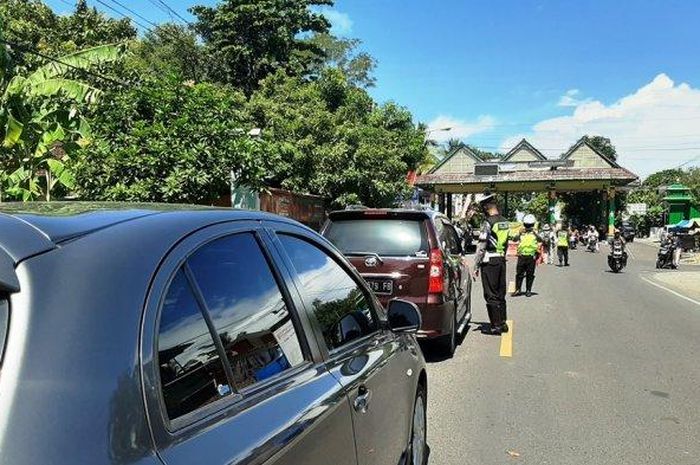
619 240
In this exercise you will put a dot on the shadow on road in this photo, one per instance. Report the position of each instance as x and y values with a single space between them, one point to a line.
431 352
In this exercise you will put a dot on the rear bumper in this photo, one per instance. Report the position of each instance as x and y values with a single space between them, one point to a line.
437 318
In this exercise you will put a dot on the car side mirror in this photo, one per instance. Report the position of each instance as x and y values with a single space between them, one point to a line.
403 316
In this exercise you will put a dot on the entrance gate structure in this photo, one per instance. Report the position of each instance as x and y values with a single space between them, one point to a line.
526 169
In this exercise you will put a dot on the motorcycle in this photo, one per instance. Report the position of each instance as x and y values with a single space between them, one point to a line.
592 243
664 258
617 259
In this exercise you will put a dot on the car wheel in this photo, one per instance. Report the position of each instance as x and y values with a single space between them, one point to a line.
419 429
448 343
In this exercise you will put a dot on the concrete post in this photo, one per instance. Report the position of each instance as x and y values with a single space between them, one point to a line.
552 206
441 203
449 205
611 213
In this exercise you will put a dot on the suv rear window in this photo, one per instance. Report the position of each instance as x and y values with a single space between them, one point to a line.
398 237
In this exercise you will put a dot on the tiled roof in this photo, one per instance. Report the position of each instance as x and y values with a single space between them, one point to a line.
562 174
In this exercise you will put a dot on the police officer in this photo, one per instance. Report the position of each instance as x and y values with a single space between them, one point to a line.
563 246
491 262
527 256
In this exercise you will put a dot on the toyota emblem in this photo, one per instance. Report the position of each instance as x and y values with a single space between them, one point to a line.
371 262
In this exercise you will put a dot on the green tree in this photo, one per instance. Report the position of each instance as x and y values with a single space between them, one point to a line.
170 49
604 145
341 53
41 122
247 40
166 141
32 23
336 141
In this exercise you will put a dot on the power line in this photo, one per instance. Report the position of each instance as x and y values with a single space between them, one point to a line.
124 15
170 10
32 51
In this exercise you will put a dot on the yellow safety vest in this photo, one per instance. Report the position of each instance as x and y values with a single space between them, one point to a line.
562 239
499 237
528 244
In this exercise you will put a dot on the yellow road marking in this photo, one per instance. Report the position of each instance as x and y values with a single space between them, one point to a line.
507 341
511 287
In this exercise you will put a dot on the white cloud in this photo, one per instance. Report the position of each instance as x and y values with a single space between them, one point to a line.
569 99
341 24
656 127
459 129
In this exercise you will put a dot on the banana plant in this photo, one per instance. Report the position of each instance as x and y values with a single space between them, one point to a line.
41 121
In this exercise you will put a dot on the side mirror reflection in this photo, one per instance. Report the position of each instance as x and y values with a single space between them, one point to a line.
403 316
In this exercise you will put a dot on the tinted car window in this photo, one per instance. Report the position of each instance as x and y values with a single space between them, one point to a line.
452 239
339 304
383 236
247 308
4 321
191 371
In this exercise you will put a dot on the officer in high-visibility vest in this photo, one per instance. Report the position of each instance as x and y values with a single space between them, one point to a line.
491 263
528 246
563 239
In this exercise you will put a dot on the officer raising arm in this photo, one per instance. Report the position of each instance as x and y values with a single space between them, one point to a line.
491 263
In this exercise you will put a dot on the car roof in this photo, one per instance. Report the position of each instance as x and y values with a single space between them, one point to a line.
30 228
377 213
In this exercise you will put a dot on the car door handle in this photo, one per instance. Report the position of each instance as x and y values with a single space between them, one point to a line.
362 400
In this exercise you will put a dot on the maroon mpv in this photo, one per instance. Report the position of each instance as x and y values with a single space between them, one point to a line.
411 254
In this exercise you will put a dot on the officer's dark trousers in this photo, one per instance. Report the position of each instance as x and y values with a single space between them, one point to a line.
493 280
525 270
563 254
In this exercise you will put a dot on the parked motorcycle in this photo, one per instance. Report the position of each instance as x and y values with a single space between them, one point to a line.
664 258
617 258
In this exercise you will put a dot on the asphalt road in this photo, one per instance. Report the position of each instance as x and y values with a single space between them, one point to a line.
605 369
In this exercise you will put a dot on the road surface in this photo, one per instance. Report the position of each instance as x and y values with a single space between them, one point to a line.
605 369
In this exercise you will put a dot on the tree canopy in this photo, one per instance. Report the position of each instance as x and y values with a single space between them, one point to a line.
247 40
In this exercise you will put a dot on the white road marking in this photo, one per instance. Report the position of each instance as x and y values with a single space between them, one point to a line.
677 294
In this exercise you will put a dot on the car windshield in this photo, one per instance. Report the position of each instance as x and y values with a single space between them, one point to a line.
395 237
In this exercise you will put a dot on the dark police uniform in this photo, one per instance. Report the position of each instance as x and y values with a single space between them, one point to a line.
491 260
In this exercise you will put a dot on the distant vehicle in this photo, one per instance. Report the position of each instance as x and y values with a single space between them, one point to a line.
592 243
628 231
144 334
413 254
617 258
664 257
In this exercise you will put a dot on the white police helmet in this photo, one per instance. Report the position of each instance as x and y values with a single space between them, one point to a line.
529 221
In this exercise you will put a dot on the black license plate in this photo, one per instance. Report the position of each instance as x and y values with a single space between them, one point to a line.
381 286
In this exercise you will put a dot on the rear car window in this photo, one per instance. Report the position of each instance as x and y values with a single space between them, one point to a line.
397 237
191 372
4 322
247 309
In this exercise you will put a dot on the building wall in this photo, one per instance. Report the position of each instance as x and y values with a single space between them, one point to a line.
459 163
585 157
523 155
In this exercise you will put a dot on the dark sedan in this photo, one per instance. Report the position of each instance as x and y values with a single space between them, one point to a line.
142 334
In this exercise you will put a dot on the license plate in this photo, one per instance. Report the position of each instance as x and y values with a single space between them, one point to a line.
381 286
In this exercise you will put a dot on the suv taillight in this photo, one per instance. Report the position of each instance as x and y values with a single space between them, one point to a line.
435 278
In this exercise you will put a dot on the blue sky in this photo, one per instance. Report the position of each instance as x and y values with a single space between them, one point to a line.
496 71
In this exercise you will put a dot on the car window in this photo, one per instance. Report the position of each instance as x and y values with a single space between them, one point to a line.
451 239
388 237
4 321
247 309
338 302
191 371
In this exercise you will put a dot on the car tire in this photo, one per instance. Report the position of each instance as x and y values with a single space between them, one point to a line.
418 446
448 343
